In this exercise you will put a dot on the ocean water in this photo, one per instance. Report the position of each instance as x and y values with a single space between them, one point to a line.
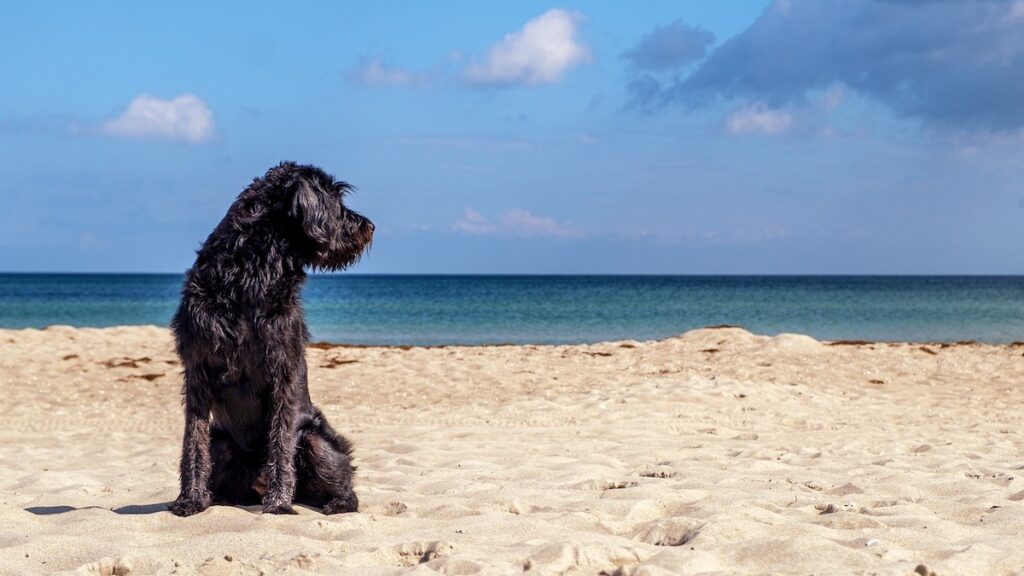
430 310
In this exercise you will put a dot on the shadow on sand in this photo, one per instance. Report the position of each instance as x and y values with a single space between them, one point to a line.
137 509
132 509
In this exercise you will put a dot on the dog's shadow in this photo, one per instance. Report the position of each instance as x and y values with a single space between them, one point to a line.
136 509
130 510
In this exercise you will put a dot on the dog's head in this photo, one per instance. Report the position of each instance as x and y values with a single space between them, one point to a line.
324 232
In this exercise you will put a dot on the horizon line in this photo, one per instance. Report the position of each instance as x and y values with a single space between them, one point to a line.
561 274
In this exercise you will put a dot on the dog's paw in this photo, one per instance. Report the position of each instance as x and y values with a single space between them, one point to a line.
186 506
278 509
342 505
272 505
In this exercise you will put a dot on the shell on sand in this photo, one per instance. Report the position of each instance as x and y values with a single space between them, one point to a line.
718 451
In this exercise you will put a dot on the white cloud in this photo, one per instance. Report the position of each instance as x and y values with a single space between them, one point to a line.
186 118
374 72
474 223
758 120
526 224
514 222
540 53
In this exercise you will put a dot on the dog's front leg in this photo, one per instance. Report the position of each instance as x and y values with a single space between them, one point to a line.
195 450
282 441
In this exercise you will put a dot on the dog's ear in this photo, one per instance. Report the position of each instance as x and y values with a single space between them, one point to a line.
308 207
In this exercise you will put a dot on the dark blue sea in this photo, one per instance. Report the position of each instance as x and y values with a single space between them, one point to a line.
426 310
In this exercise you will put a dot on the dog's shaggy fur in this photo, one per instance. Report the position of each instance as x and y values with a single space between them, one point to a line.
252 434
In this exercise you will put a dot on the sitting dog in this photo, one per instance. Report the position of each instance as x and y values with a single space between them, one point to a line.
252 434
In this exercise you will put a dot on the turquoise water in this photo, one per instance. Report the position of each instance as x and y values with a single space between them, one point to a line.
419 310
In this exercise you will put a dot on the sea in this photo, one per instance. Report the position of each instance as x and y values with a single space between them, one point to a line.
474 310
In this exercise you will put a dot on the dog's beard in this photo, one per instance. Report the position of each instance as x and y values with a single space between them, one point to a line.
347 250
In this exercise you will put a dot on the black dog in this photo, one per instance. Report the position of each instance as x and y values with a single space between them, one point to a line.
241 336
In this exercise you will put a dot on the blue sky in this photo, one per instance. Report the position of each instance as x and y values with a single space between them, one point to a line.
795 136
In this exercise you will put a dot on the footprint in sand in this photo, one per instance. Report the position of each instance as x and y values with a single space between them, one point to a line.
413 553
395 508
107 567
670 532
605 485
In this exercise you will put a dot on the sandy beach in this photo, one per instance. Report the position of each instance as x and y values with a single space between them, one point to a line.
716 452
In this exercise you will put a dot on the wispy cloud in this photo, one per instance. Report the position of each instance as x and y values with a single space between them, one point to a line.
514 222
758 119
1017 9
375 72
766 233
474 223
184 118
540 53
751 234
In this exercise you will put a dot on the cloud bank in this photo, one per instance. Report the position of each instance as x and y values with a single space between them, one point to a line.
669 47
185 118
949 64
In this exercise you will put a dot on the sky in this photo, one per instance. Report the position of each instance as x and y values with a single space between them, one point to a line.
662 137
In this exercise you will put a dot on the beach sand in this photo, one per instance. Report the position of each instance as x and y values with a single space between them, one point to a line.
717 452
